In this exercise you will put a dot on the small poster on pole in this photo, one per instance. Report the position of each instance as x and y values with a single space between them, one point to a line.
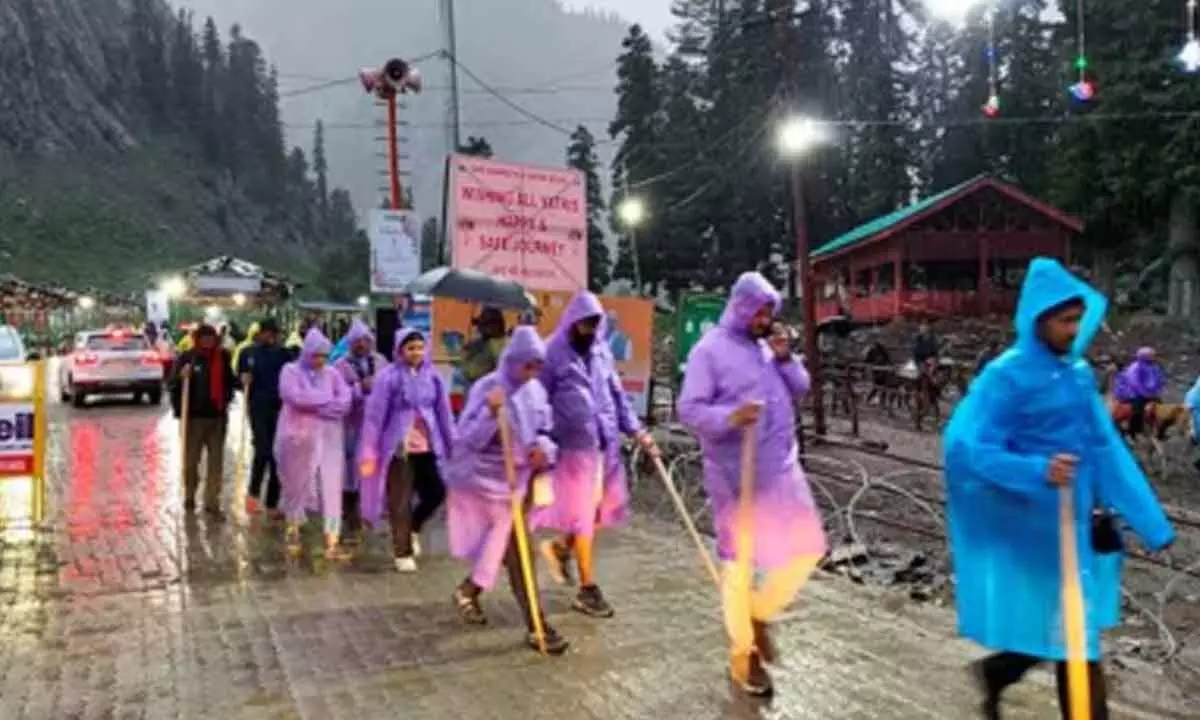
156 306
395 237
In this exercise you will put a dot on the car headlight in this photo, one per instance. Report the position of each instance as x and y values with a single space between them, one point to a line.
16 381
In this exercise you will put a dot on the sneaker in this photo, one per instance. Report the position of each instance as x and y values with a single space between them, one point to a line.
468 608
748 673
555 644
291 538
558 558
416 544
252 505
590 601
762 642
405 564
333 549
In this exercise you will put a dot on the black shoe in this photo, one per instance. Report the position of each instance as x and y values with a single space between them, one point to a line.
763 644
990 707
748 673
468 608
555 644
590 601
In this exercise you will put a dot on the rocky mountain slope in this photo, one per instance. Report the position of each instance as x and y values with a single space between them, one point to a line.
105 176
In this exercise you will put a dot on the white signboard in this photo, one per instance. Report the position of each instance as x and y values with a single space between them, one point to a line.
156 306
227 284
16 439
395 249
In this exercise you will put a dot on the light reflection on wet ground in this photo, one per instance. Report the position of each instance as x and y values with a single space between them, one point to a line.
126 607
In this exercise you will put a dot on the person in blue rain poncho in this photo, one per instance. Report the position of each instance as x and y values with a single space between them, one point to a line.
1033 422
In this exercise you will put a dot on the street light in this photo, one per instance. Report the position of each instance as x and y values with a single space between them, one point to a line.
798 137
173 287
363 301
952 11
632 212
87 302
239 299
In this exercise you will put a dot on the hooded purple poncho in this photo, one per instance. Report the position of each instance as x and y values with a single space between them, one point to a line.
1141 379
401 393
726 369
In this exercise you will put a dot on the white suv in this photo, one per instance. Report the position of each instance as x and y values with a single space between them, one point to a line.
111 362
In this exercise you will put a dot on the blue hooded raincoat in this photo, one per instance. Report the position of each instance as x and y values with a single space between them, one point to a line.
1027 406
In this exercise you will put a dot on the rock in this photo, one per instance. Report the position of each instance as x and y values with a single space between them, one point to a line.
854 553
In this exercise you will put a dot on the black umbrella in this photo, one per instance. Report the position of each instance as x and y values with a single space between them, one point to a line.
473 286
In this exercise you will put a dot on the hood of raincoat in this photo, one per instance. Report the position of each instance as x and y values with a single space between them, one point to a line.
403 334
750 293
315 343
251 332
584 305
358 331
1145 354
524 346
1047 285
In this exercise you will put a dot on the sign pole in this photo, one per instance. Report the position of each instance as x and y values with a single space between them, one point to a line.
39 441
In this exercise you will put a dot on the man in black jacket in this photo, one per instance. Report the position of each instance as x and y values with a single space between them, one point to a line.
259 367
206 369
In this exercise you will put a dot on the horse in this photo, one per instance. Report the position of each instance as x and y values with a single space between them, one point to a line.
1159 419
928 387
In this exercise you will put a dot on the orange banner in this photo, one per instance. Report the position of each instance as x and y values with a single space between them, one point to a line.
630 328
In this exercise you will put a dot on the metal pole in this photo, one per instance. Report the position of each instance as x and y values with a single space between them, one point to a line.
393 150
452 49
804 283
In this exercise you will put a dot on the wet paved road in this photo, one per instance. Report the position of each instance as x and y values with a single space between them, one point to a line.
123 610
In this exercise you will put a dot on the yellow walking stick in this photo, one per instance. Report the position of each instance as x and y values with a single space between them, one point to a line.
1074 628
240 471
185 388
518 512
688 523
744 534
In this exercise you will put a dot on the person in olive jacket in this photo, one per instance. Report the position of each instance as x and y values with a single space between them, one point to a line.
207 367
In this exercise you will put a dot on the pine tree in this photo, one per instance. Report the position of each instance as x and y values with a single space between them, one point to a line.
638 156
321 170
187 74
147 43
212 112
581 155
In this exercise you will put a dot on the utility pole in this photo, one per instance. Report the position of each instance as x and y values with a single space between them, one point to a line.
452 50
783 16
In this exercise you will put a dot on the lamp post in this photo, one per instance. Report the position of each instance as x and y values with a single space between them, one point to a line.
632 212
798 137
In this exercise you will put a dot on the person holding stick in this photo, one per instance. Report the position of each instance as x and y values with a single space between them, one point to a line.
205 372
1036 476
484 503
738 397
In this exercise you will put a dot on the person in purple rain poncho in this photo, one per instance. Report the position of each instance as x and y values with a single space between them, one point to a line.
407 430
359 368
617 418
741 378
480 510
577 378
309 441
1140 384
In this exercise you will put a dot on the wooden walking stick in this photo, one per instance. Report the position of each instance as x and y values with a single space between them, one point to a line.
519 529
240 471
1074 627
185 387
688 523
744 533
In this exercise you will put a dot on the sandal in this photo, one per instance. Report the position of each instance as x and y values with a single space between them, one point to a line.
468 608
